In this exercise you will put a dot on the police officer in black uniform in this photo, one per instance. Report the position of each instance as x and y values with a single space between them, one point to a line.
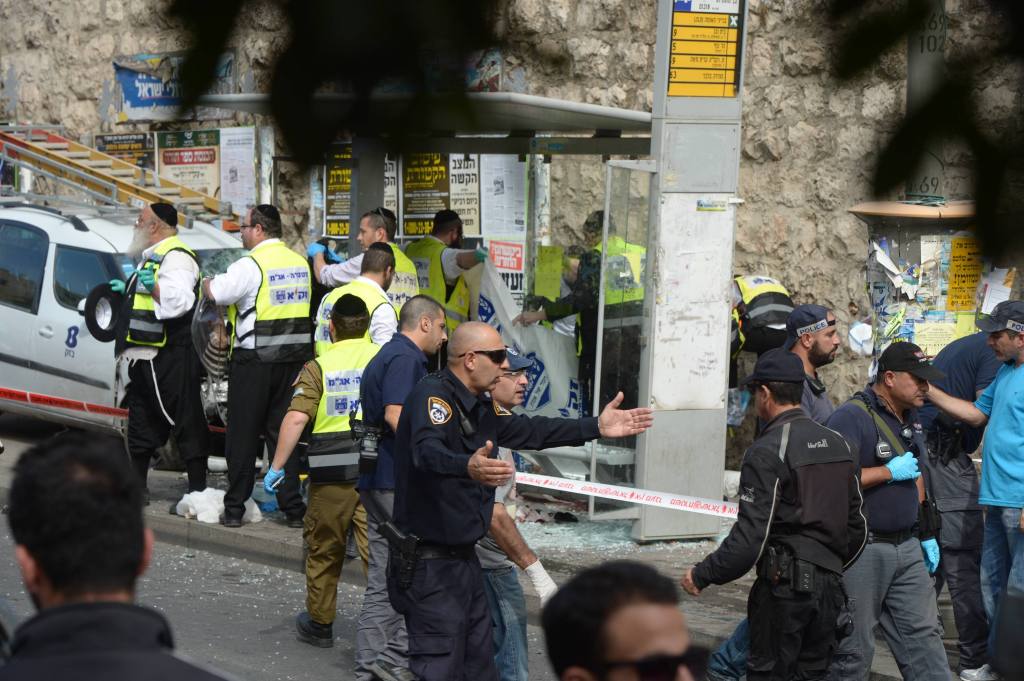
800 521
444 495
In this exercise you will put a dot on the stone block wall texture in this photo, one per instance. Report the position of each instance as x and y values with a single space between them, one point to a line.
809 140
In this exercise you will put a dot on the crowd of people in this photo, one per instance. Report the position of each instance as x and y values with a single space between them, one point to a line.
852 517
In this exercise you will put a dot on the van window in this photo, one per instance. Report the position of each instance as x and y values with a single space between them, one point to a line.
76 272
22 264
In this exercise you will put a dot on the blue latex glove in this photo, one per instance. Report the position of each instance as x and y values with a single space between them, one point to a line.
903 467
117 285
930 547
331 256
272 479
147 277
480 254
315 248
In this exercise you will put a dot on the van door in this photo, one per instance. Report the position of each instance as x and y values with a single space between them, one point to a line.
80 368
23 252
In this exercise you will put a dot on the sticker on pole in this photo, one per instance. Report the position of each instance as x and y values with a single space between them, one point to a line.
716 6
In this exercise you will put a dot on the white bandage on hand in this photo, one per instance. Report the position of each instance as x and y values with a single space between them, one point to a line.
542 582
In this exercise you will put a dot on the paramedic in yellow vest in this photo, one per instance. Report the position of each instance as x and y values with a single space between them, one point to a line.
164 370
325 392
372 286
440 261
268 295
763 306
623 297
375 227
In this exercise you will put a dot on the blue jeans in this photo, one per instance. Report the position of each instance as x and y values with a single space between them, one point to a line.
1002 561
508 617
730 660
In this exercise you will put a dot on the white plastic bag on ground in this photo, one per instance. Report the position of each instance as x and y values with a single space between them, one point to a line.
208 505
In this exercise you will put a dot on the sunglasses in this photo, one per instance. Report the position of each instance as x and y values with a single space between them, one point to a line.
664 667
497 356
241 227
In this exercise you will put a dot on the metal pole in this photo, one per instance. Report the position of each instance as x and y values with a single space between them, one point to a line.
599 347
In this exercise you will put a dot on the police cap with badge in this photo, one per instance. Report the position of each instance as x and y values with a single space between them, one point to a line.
1007 316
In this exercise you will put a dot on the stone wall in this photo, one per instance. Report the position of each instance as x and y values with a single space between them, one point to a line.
809 141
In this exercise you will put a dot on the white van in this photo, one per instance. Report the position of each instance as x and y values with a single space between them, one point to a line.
50 259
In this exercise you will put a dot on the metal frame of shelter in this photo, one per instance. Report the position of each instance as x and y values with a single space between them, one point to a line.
683 213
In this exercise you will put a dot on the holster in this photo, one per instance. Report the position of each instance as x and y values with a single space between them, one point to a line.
781 566
403 553
929 520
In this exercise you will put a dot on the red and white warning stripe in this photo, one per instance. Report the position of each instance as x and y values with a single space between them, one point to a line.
73 405
679 502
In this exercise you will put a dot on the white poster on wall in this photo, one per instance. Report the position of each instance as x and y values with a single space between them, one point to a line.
238 167
391 184
464 188
503 197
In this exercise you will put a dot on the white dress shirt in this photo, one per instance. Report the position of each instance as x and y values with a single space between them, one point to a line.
239 286
177 283
383 321
341 273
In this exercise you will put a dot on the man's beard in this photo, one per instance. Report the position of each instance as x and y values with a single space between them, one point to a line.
138 245
820 359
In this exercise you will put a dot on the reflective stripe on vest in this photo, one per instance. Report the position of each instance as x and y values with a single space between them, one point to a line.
370 296
143 326
333 455
766 300
405 285
425 254
624 264
282 329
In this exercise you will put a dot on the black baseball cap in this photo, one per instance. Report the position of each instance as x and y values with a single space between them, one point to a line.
806 319
910 358
1007 316
777 366
517 362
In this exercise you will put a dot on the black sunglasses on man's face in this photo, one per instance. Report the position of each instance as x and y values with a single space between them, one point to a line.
664 667
497 356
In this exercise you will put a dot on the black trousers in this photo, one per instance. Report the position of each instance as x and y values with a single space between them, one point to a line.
793 635
447 619
960 571
258 397
164 399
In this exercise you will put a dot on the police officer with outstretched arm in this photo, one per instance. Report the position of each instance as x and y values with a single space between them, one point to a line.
444 496
382 648
800 521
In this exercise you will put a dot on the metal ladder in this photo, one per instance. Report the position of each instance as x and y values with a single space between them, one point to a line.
104 178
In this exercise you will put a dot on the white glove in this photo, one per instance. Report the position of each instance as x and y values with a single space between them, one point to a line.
542 582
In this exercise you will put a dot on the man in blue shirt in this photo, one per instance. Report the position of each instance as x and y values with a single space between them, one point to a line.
1002 469
890 584
952 481
381 642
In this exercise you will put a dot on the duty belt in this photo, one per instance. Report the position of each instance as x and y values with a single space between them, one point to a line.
428 551
891 537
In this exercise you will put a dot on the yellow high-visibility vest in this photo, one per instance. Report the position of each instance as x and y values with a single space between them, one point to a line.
425 254
143 326
333 454
405 284
765 301
624 265
283 331
362 290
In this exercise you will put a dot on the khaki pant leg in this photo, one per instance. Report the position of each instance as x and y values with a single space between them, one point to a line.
325 531
362 539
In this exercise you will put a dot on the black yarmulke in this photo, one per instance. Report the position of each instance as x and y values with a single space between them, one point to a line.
165 212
